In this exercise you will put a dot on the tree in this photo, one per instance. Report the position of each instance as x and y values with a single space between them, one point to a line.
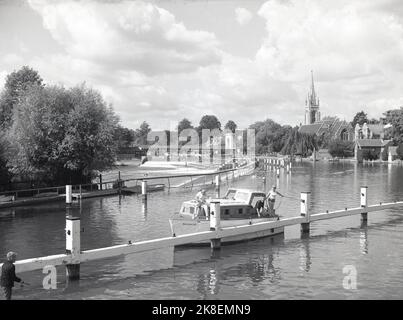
16 84
5 175
341 148
62 135
124 137
184 124
270 136
360 118
231 125
142 133
209 122
300 143
395 118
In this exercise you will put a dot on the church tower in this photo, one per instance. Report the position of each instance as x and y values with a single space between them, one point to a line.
312 113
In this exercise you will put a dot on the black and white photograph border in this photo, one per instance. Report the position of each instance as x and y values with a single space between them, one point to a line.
193 150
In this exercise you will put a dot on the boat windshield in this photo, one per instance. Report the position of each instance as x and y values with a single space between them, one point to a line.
242 196
230 194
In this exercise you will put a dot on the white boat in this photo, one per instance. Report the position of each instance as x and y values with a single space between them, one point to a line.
238 207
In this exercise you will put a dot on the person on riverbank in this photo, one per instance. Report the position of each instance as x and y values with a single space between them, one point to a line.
271 199
201 198
8 276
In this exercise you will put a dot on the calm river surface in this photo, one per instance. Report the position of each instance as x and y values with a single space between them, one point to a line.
284 267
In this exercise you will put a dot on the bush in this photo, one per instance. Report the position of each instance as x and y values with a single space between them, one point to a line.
370 154
341 148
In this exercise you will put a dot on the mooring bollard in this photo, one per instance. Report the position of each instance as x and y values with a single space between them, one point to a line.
73 247
305 199
69 194
364 215
144 190
217 185
215 219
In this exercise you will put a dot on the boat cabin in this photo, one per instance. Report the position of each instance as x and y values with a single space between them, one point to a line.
236 204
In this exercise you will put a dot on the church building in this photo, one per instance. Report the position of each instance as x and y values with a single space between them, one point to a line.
332 127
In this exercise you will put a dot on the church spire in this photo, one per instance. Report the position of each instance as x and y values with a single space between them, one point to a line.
313 94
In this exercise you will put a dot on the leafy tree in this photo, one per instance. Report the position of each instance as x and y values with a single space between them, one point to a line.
184 124
395 118
231 125
300 143
270 136
124 137
16 84
209 122
62 135
341 148
5 175
141 134
360 118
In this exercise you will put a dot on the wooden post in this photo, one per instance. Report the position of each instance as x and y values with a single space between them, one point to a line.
69 194
215 221
73 247
288 168
305 199
100 182
290 165
364 215
278 172
144 189
217 185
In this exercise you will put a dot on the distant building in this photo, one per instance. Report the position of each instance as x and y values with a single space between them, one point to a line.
331 126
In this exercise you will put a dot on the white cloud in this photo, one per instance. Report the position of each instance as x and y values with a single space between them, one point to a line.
129 35
243 16
153 67
354 50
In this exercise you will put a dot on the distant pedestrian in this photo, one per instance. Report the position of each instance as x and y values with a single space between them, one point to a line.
8 276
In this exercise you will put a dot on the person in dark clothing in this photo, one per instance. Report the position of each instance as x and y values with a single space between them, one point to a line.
8 276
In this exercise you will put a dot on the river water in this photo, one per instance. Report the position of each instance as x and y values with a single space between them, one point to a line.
290 266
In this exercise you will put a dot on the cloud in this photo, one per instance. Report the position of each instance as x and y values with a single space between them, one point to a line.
153 67
243 16
353 57
128 35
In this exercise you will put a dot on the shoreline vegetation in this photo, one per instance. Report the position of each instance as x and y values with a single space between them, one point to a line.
52 135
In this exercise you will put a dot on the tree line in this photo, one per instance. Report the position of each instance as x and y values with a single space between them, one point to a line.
61 135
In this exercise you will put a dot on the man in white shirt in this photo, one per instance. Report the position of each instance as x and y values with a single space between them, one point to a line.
271 199
201 198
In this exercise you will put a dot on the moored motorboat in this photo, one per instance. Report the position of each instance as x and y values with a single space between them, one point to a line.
238 207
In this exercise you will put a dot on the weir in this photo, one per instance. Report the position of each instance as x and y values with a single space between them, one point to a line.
74 256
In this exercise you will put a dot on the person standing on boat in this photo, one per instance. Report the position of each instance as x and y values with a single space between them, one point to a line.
8 276
201 198
271 199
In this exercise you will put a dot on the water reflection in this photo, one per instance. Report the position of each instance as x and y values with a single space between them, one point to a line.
305 256
364 238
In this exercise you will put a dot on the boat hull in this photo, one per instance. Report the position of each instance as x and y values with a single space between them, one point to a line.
181 227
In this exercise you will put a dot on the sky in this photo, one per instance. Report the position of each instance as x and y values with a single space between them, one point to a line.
242 60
